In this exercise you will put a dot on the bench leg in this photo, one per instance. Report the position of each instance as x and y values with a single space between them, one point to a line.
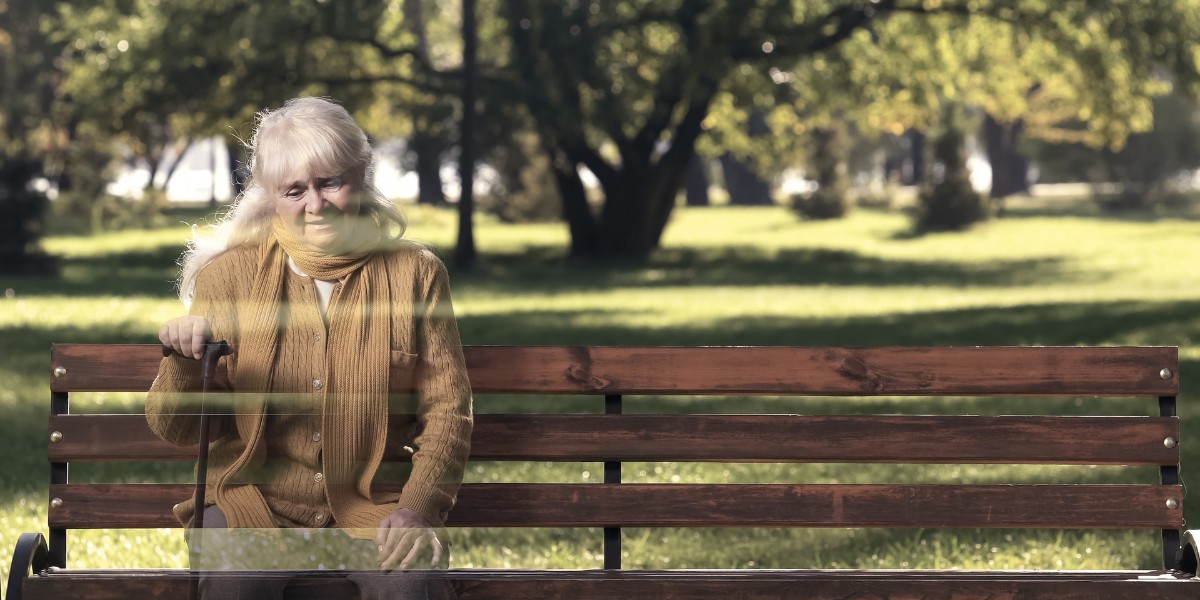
30 556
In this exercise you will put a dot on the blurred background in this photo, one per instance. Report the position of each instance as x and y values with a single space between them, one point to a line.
658 172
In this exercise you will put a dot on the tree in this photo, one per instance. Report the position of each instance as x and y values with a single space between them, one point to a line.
151 73
746 174
196 67
1145 170
625 91
1009 167
429 138
1083 73
636 82
27 137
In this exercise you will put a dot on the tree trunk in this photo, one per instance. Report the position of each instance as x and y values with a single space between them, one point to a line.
212 175
915 174
153 161
670 173
175 166
745 187
1009 168
695 181
639 201
585 235
464 250
427 151
425 147
237 171
625 218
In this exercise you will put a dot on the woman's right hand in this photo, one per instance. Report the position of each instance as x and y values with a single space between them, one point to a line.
185 335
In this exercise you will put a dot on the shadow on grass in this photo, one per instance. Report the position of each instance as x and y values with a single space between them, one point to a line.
1083 323
123 274
546 268
738 266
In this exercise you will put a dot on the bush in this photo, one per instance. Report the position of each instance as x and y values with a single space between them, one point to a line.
84 201
948 202
831 199
875 196
823 203
111 213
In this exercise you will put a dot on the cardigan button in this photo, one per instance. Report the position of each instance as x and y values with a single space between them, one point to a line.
317 384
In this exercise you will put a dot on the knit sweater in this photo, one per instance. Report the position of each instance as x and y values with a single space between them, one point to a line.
280 481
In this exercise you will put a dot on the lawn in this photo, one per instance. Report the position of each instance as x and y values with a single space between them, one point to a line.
723 276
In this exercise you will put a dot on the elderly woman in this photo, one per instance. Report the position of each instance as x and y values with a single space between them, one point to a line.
336 324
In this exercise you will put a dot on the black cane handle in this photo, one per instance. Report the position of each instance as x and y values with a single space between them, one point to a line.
213 350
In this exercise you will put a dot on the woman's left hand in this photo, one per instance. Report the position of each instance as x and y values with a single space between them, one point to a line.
404 537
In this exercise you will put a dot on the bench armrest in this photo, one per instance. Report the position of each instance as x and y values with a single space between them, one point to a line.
1189 550
30 556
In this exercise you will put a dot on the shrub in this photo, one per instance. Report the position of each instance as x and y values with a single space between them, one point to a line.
948 202
831 199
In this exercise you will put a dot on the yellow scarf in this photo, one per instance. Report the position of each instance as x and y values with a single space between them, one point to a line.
355 400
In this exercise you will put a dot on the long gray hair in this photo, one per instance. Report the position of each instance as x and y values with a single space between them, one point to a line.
306 135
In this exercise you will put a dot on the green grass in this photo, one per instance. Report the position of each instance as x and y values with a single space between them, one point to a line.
723 276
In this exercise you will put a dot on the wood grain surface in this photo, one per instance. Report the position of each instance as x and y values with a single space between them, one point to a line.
727 438
710 505
673 585
921 371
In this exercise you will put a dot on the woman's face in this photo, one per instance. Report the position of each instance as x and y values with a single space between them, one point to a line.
320 210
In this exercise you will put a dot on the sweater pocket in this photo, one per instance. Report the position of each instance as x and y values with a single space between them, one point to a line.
400 373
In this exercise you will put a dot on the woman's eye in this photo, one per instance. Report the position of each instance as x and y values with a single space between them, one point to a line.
293 193
333 183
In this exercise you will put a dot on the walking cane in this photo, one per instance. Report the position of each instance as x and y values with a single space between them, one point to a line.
208 367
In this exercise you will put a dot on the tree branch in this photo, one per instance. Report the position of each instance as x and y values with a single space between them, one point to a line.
671 82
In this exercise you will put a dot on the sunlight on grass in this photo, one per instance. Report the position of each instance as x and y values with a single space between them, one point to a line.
723 276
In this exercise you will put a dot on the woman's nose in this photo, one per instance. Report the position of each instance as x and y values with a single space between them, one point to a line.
315 200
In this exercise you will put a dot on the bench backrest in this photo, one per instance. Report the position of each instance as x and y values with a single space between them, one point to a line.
609 373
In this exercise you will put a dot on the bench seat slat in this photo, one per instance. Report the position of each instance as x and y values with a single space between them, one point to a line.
711 505
921 371
675 585
729 438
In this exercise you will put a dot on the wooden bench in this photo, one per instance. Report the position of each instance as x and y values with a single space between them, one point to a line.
39 568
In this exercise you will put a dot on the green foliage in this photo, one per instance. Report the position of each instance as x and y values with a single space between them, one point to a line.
948 202
525 192
626 88
830 151
27 140
1145 173
83 184
149 73
27 76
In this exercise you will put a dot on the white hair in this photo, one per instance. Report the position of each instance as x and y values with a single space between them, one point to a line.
306 135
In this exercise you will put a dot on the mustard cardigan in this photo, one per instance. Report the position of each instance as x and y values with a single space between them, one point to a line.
435 420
